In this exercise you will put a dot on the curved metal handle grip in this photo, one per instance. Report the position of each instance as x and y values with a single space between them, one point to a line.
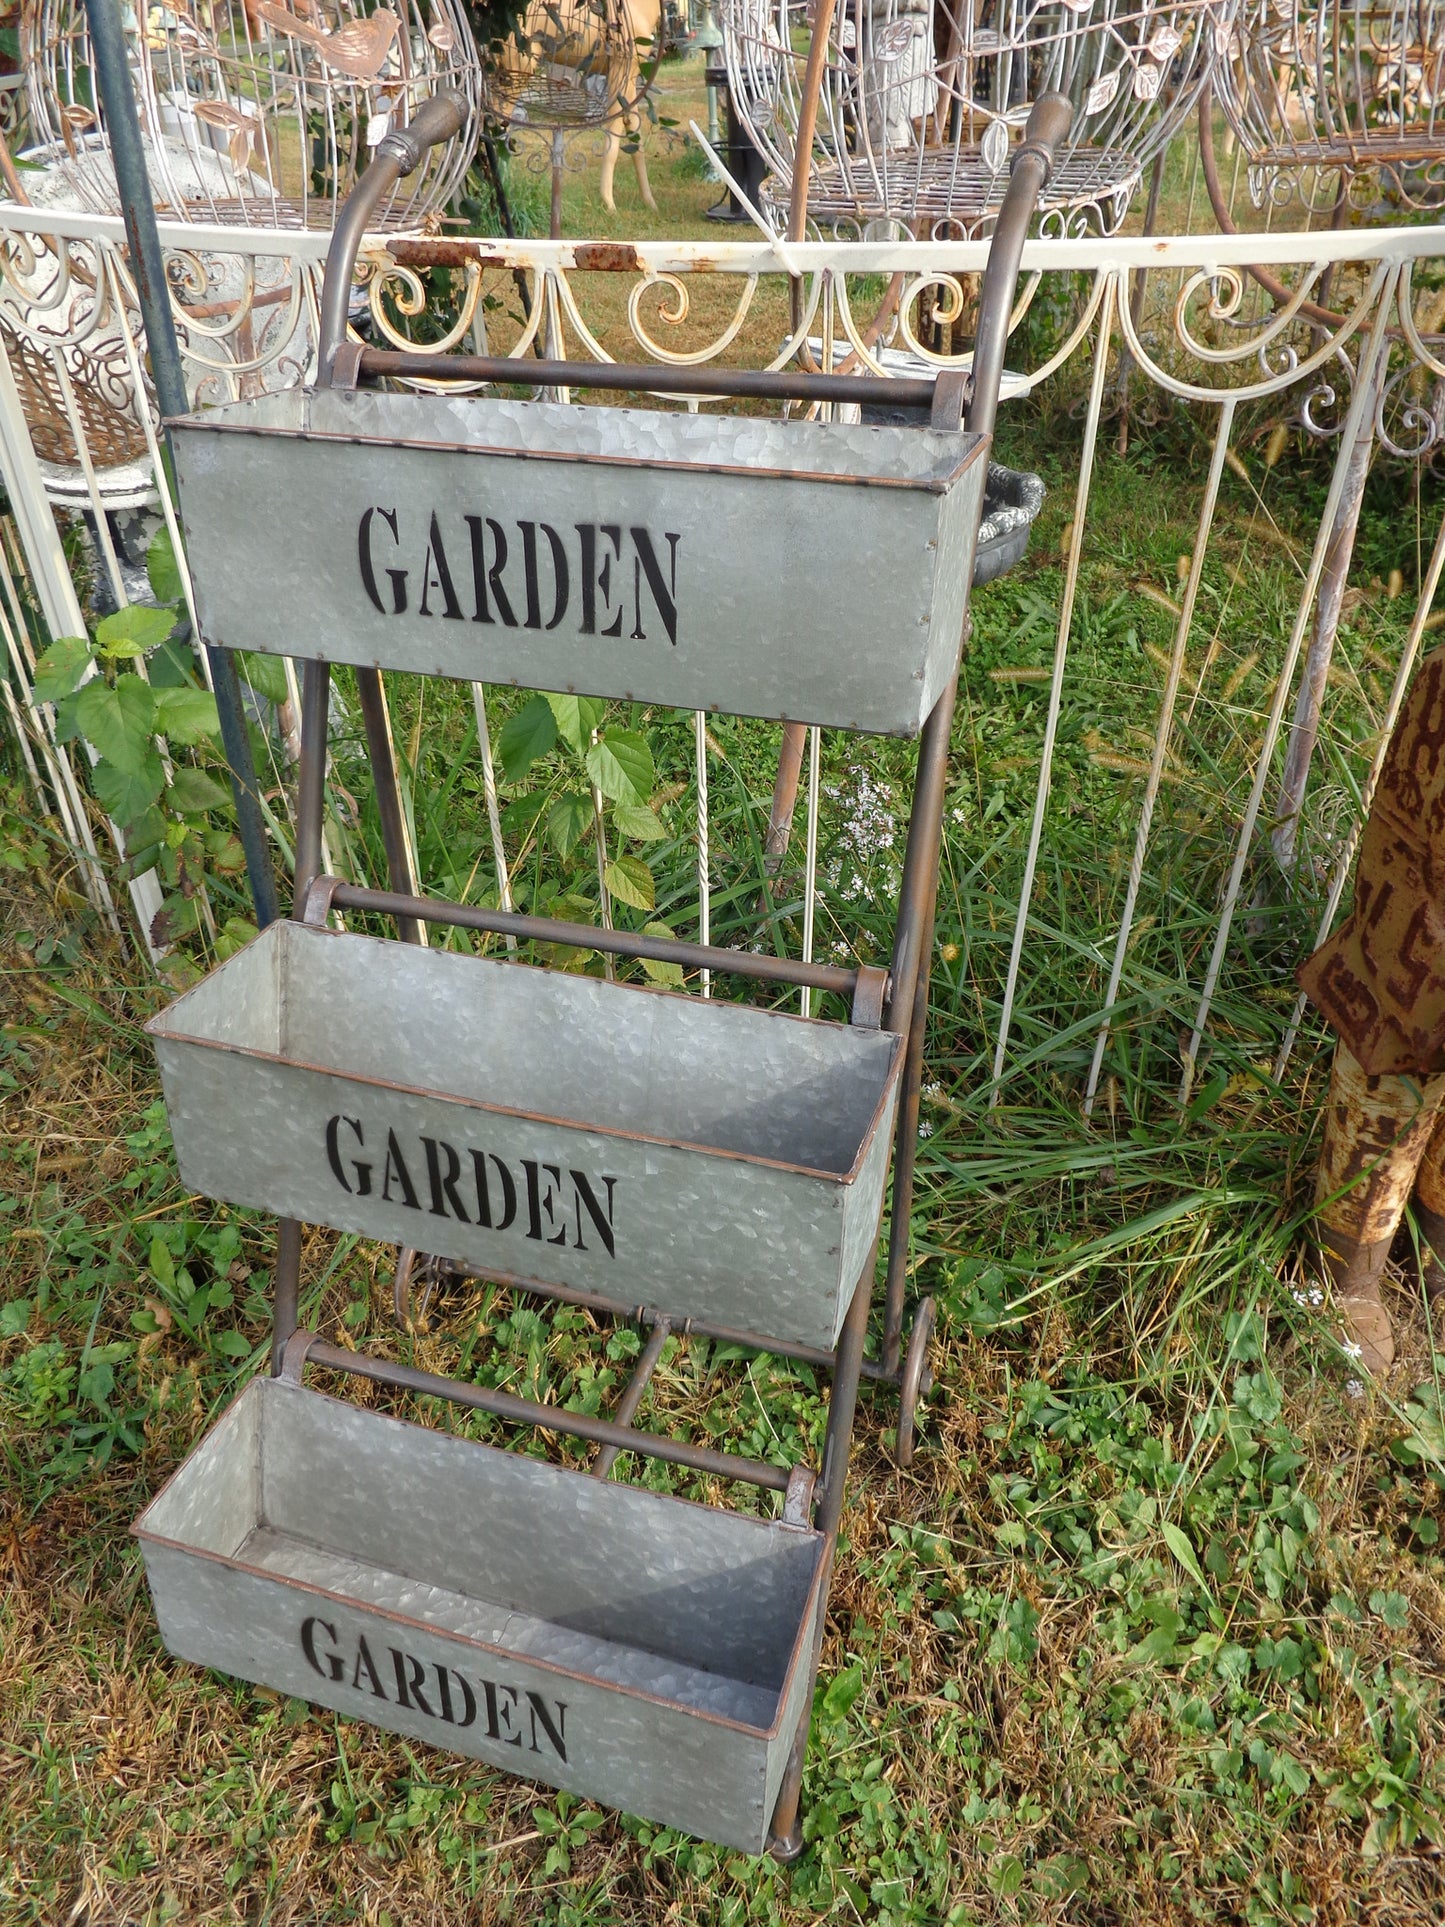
435 121
1049 122
398 154
1050 118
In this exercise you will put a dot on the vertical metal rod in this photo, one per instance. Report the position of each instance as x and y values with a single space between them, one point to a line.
117 98
494 813
810 867
785 795
627 1405
1056 680
1309 703
387 787
1345 862
785 1841
311 779
844 1402
310 812
704 851
1161 743
286 1288
1376 344
908 1008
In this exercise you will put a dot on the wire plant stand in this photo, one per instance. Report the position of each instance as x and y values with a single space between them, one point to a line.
1338 102
922 102
257 113
568 70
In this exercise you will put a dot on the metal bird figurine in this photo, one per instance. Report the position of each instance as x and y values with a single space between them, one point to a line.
359 49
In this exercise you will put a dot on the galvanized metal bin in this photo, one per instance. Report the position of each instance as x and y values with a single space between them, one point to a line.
718 1162
638 1649
617 552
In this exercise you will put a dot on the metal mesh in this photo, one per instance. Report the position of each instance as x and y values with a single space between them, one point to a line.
1354 91
263 114
923 99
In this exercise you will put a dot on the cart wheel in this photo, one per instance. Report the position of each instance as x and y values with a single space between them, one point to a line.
917 1379
415 1268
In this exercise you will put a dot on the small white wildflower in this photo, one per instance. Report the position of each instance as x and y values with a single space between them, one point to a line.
1351 1349
933 1094
1354 1388
925 1130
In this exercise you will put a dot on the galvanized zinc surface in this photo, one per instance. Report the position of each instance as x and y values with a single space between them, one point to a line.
787 569
711 1160
633 1647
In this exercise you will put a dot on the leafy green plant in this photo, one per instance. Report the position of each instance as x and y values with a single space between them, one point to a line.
137 700
598 800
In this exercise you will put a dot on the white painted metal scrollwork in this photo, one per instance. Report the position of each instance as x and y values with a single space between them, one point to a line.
1196 334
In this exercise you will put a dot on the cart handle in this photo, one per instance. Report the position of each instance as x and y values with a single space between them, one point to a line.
398 154
866 985
1049 122
945 397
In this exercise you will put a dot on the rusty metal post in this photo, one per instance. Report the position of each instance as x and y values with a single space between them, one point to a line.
286 1288
310 806
387 787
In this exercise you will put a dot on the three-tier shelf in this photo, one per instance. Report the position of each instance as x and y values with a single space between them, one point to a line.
691 1164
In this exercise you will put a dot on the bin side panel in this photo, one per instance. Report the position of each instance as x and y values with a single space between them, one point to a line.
745 592
863 1200
215 1498
645 1757
952 579
708 1588
798 1697
709 1237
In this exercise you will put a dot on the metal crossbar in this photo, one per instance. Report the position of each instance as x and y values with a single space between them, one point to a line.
327 893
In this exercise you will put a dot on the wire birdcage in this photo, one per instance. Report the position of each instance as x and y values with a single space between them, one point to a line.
568 65
922 100
256 113
1325 95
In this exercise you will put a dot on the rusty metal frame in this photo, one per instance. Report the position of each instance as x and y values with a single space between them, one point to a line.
895 999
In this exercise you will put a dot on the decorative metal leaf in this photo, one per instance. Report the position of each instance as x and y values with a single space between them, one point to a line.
993 148
1146 80
894 40
1165 42
1101 93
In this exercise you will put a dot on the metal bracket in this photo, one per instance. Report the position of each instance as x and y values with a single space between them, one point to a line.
951 394
798 1501
346 366
870 994
293 1359
316 910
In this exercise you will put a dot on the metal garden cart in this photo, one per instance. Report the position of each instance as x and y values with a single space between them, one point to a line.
696 1165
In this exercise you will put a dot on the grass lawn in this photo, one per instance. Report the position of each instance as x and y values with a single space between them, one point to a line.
1152 1629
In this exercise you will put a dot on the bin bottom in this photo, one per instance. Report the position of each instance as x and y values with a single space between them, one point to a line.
521 1633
